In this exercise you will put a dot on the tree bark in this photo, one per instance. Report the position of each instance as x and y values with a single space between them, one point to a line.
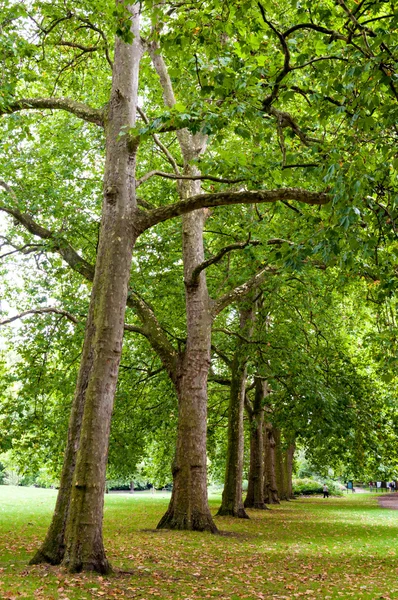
232 503
270 484
280 469
255 490
76 531
188 507
289 469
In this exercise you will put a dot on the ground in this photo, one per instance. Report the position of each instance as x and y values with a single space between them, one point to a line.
306 548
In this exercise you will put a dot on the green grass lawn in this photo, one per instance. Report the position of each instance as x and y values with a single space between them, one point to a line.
307 548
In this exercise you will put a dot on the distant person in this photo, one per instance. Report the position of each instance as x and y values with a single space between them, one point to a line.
325 491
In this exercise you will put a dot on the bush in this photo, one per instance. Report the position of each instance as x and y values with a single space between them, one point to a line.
309 487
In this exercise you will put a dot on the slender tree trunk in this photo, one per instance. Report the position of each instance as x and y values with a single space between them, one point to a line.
80 505
289 469
280 470
232 503
270 484
255 489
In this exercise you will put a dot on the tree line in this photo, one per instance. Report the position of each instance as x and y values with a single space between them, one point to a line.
217 184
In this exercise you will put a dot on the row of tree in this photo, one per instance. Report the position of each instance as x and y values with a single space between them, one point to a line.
222 104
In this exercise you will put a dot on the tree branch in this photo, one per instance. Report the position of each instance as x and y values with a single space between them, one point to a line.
79 109
158 215
38 311
222 355
241 290
159 144
215 259
189 177
334 34
150 325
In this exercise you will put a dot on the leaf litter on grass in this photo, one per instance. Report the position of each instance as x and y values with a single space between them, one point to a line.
303 549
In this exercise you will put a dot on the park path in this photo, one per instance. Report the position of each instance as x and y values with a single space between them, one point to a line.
389 501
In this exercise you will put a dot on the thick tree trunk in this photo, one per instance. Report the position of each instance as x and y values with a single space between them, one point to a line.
270 484
80 505
255 489
53 548
188 507
232 503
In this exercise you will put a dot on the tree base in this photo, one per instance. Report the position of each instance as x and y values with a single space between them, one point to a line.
230 512
47 557
182 523
100 565
257 506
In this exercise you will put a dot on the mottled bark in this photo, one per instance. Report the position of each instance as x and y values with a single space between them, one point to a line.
80 504
232 503
188 507
255 490
270 484
53 548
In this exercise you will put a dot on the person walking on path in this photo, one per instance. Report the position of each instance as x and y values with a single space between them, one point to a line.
325 491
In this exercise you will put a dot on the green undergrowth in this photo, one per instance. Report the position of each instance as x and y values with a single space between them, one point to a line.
307 548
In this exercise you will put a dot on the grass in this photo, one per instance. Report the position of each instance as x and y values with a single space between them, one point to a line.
307 548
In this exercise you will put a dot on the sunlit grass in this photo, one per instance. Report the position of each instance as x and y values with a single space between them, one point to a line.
333 548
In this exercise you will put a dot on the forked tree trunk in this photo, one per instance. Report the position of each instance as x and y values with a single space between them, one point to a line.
255 489
270 484
232 503
80 505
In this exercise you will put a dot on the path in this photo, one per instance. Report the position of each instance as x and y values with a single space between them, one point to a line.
389 501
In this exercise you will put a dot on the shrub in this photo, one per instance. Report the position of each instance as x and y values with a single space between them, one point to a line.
309 487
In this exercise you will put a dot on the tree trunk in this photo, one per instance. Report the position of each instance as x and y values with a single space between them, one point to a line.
289 469
80 505
280 466
188 508
270 484
255 489
232 503
53 548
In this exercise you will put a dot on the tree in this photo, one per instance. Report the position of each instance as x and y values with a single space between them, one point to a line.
121 135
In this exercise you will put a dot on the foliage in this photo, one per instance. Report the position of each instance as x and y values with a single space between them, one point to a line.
317 111
308 487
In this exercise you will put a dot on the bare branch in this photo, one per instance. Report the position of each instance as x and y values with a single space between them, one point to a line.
334 34
39 311
286 63
102 34
58 243
164 213
189 177
318 58
26 249
215 259
222 355
79 109
79 46
160 145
